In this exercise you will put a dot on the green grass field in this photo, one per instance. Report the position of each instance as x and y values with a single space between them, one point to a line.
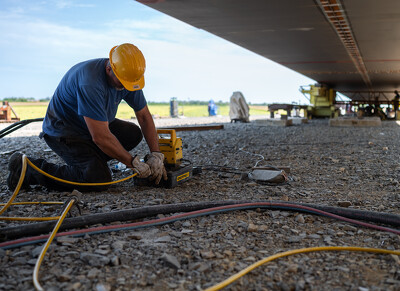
29 110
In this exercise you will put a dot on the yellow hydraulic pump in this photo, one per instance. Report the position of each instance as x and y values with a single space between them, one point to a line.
170 147
178 170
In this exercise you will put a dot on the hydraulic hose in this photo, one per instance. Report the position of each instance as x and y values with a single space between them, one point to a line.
17 125
108 217
150 211
25 162
17 188
76 183
35 274
195 214
293 252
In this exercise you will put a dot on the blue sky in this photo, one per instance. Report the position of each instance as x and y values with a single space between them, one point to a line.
41 40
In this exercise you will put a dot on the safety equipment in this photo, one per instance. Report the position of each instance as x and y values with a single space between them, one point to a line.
155 160
128 65
141 168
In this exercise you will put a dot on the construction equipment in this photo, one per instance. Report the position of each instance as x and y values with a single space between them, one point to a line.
5 113
170 147
178 169
322 99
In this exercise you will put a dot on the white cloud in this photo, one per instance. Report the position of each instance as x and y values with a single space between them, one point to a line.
63 4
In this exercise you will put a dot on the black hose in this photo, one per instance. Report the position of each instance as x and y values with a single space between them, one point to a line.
17 125
151 211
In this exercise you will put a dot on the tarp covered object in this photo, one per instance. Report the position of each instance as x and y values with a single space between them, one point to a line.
212 108
238 108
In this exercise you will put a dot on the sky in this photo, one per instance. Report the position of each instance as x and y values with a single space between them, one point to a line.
41 40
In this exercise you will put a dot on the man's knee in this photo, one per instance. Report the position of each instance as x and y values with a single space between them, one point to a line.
128 133
97 172
139 137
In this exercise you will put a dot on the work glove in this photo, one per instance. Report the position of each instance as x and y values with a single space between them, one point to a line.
155 160
142 169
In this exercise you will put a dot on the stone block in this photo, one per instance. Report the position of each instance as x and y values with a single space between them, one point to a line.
299 120
354 121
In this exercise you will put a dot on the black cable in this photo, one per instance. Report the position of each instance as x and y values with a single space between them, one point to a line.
225 169
151 211
219 168
17 125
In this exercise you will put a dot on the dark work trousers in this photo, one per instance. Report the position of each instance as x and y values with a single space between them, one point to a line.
85 161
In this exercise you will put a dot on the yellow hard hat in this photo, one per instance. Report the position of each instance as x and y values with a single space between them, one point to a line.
128 65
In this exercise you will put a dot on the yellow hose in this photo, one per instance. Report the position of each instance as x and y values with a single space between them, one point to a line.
21 179
25 162
46 246
77 183
240 274
61 218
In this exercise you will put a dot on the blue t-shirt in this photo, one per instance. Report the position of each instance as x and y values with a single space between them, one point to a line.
84 91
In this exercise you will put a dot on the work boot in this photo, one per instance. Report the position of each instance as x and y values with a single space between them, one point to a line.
14 167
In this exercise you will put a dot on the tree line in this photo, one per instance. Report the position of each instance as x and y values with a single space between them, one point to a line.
180 102
24 99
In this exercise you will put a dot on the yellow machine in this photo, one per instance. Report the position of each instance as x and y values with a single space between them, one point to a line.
178 171
170 147
322 100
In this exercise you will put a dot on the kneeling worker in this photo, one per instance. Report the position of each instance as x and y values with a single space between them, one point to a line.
80 125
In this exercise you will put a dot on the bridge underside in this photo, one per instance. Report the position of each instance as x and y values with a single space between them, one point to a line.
349 45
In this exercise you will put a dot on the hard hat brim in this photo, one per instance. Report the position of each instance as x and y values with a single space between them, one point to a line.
133 86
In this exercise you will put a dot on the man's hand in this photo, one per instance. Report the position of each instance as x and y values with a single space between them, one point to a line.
141 168
155 160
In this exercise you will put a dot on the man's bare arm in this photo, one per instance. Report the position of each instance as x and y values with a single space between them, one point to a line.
107 142
148 128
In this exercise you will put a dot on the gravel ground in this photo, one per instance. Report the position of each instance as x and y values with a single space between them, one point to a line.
357 167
